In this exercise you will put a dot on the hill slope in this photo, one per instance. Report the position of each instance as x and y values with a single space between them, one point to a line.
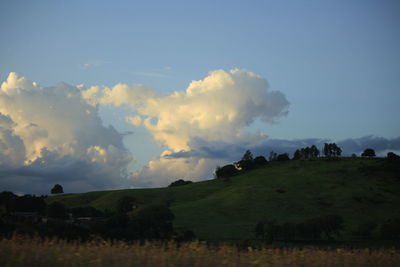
360 190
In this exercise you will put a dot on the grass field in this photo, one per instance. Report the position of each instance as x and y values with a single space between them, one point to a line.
358 189
35 252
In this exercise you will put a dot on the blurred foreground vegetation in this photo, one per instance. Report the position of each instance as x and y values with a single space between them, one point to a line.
19 251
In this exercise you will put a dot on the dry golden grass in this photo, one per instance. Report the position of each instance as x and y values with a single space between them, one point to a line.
19 251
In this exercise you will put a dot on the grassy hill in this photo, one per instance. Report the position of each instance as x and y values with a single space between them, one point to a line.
360 190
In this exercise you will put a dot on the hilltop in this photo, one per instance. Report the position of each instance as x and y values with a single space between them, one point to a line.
364 191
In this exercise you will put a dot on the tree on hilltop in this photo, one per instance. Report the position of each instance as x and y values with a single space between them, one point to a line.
57 189
369 152
226 171
260 160
247 161
332 150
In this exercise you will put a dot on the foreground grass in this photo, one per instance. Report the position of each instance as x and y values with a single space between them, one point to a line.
35 252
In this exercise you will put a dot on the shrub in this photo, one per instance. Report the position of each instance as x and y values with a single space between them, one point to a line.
179 182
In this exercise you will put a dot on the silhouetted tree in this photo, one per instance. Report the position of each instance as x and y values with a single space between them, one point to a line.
326 150
226 171
393 156
247 155
297 155
260 160
247 162
283 157
272 156
314 151
57 189
338 151
332 150
306 153
369 152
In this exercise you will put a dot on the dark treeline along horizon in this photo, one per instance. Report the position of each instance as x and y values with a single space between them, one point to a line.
248 162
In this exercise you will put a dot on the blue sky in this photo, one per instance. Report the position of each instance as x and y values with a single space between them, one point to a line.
336 62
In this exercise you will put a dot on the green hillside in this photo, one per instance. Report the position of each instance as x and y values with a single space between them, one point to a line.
360 190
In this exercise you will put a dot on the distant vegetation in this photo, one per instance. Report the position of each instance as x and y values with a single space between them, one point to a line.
30 215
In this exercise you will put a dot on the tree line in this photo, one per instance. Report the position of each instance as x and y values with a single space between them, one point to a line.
248 162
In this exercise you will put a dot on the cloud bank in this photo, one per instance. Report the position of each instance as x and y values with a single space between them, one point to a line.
51 135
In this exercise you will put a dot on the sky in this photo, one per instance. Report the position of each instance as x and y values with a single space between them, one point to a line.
100 95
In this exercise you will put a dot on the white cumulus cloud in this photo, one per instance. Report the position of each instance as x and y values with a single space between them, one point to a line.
44 131
216 109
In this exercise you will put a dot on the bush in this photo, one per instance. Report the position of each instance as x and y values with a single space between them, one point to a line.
180 182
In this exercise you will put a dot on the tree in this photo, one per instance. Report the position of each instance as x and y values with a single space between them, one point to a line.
297 155
393 156
306 152
338 151
260 161
283 157
226 171
57 189
332 150
247 155
272 156
326 150
247 161
369 152
314 151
